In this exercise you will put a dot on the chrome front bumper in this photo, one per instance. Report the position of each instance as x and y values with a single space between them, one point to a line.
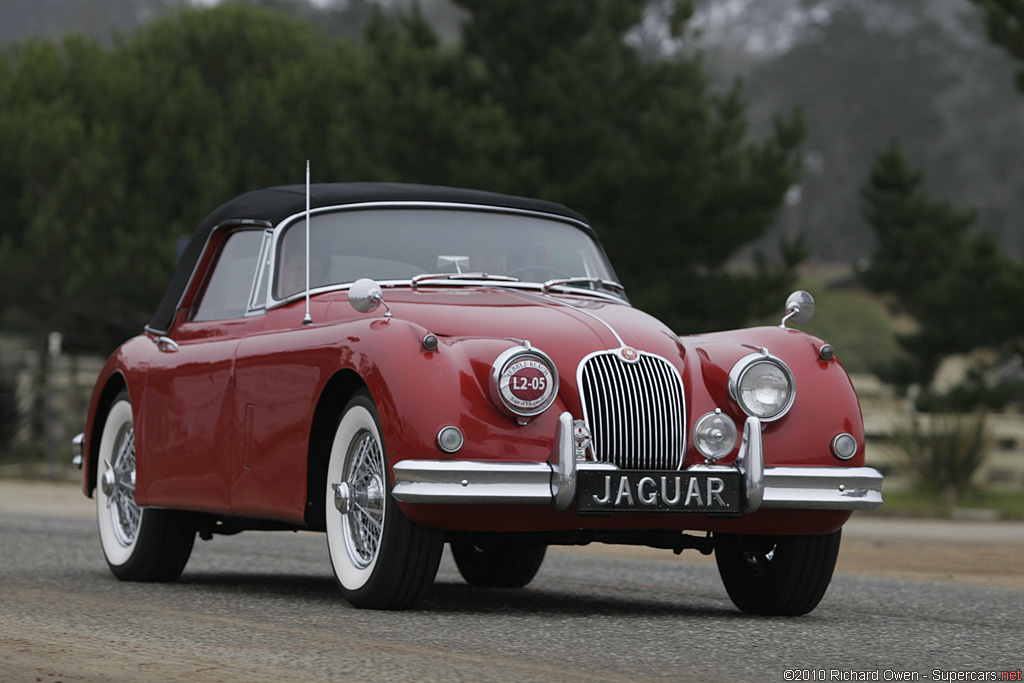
543 483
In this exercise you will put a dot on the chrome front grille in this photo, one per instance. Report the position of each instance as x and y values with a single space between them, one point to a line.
635 411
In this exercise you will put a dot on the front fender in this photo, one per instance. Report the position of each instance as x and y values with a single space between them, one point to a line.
123 370
418 391
825 405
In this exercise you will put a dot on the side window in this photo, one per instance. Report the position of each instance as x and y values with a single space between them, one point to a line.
227 290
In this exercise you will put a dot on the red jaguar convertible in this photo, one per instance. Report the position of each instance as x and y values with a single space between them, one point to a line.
404 366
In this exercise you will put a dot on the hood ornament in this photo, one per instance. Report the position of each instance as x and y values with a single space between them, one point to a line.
629 354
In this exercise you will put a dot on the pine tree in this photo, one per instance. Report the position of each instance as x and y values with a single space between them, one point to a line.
961 288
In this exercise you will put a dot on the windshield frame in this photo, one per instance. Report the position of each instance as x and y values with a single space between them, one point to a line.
268 278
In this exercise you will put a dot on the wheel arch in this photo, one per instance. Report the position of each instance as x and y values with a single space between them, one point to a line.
114 385
335 396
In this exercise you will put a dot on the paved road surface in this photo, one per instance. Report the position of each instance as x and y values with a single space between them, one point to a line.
263 607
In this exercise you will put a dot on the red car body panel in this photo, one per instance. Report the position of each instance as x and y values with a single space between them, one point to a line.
224 423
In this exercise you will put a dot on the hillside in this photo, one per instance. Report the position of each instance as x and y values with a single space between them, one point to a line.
865 72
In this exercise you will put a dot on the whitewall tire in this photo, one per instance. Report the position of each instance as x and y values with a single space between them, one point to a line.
381 559
139 544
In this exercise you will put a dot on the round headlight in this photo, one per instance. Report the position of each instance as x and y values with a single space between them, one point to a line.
714 435
524 381
763 386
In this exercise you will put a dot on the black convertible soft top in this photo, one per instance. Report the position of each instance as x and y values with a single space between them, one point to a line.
274 204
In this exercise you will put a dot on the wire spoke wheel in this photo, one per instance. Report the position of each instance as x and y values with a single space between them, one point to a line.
381 559
118 484
365 479
139 544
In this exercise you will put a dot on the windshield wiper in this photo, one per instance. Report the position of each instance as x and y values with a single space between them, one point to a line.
462 276
582 280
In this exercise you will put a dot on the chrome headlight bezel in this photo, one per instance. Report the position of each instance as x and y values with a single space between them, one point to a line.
516 363
741 376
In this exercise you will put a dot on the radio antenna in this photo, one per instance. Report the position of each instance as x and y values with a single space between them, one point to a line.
308 319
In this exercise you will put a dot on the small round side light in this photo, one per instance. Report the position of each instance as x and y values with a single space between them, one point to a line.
826 352
449 439
430 342
844 446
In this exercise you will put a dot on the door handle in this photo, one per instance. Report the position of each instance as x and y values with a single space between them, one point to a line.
166 344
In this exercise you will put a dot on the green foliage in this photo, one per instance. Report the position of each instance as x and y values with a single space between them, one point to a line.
113 153
942 452
659 163
856 325
963 291
1005 22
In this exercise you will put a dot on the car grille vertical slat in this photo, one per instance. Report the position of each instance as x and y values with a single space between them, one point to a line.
635 411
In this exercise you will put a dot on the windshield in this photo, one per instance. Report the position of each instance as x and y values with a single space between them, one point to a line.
403 243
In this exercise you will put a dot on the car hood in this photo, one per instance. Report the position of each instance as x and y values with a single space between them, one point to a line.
552 323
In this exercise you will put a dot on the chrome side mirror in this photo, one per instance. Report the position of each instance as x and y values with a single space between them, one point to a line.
799 308
366 295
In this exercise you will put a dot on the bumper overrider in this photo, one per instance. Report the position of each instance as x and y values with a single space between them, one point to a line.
544 483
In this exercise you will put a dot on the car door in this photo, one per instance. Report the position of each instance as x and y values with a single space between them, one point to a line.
189 438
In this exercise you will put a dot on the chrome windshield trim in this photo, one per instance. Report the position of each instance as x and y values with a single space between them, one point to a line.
532 288
427 278
568 282
272 303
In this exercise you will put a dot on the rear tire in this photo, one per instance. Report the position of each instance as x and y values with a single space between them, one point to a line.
139 544
776 575
493 564
381 559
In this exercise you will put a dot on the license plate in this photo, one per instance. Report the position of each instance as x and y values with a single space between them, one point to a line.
603 491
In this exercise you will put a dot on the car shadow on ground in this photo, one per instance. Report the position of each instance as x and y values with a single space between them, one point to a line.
453 597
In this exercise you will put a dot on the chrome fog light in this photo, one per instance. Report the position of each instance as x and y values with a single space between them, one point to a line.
844 446
449 439
714 435
763 386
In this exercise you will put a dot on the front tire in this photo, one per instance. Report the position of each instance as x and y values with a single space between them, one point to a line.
776 575
492 564
139 544
381 559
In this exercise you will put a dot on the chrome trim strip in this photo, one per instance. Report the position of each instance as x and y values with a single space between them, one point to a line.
77 449
521 287
473 481
563 478
579 309
823 488
750 462
262 273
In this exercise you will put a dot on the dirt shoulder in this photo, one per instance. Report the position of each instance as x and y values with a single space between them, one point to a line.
981 553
